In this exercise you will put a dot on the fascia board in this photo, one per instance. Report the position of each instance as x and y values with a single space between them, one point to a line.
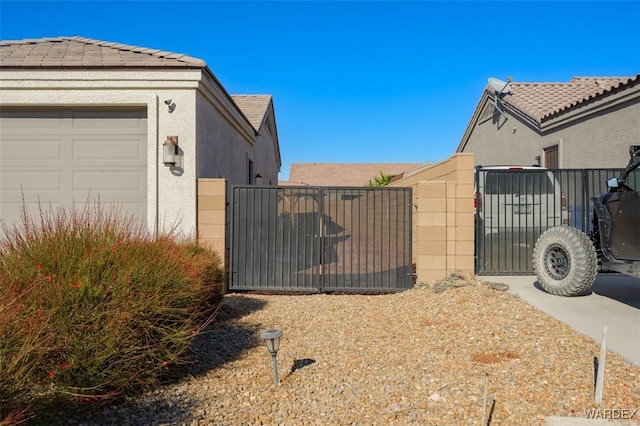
474 120
276 143
99 79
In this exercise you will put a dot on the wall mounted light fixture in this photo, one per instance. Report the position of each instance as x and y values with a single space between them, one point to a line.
170 151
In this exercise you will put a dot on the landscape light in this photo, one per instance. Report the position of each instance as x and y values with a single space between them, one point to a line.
272 339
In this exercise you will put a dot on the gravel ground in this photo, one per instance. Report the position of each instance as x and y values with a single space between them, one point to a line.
423 356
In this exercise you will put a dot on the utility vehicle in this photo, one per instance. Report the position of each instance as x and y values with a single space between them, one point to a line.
566 260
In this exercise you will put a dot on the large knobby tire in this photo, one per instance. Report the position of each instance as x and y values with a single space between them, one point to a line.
565 261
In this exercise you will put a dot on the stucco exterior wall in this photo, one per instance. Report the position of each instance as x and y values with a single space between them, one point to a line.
222 151
601 140
595 136
226 143
265 159
502 140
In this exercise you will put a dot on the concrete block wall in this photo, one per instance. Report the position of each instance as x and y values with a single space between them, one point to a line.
443 225
212 215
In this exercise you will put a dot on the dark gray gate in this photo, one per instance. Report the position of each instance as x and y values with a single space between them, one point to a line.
311 239
513 207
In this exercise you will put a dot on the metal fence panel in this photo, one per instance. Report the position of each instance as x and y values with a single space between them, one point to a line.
513 207
321 239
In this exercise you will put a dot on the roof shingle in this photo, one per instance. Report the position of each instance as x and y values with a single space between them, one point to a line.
254 107
542 101
85 52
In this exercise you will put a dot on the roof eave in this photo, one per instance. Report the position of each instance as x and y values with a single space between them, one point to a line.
595 105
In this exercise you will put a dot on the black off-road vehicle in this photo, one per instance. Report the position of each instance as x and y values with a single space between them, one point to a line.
566 260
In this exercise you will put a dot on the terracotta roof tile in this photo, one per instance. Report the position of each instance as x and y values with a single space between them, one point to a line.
542 101
85 52
343 174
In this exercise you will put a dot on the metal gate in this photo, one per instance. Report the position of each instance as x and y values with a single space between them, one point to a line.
321 239
513 207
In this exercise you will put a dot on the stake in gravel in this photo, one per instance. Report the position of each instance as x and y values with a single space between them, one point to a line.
272 338
601 362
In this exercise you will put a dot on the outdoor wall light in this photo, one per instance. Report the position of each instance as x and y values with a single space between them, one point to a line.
170 151
272 339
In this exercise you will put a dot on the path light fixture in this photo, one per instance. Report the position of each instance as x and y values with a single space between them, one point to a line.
272 339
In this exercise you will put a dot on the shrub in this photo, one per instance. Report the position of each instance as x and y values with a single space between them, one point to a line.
93 305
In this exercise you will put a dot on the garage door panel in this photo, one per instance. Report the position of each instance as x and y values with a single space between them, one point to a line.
115 125
126 116
29 150
14 209
109 181
98 149
32 180
34 124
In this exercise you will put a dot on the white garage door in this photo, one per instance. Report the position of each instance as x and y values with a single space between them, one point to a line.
67 156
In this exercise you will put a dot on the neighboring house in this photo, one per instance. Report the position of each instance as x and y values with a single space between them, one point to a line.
589 122
86 118
342 174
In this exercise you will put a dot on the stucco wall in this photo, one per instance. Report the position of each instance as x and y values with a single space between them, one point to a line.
222 151
503 139
602 140
595 136
265 159
226 144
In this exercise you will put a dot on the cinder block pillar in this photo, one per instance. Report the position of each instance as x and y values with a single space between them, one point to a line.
212 215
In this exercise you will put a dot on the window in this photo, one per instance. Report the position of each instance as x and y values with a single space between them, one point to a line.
504 182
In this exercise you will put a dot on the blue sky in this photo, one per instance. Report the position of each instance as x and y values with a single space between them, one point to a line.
361 81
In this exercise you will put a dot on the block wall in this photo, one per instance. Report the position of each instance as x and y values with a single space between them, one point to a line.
212 215
443 225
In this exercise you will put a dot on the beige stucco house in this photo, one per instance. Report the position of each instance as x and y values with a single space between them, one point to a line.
82 117
588 122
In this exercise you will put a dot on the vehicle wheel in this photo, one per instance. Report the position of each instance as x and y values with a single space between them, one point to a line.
565 261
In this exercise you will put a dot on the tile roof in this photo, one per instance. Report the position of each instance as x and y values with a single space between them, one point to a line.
343 174
84 52
254 107
542 101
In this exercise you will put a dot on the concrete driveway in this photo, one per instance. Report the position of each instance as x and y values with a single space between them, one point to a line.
614 302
